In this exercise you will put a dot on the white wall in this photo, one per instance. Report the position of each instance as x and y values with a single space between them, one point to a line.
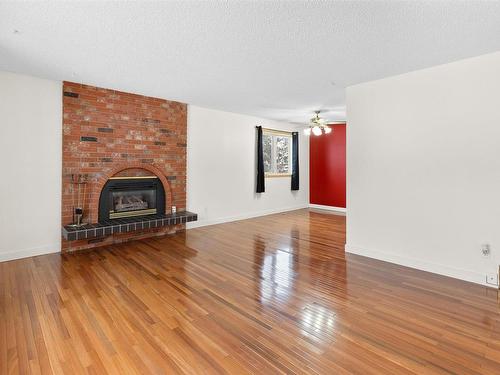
221 169
30 165
423 168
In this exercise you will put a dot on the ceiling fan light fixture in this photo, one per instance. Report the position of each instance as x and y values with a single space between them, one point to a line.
316 130
317 126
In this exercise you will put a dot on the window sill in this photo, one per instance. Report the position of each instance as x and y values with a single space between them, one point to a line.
272 175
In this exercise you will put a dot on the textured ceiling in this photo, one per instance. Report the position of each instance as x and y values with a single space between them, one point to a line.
271 59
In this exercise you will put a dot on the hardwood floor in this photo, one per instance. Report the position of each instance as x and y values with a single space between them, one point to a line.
269 295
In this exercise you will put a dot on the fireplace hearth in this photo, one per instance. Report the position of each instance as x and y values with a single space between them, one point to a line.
125 197
128 205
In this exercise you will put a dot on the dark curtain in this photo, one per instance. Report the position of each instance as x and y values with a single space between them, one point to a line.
295 161
260 162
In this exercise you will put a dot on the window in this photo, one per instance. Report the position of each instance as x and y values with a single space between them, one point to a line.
277 148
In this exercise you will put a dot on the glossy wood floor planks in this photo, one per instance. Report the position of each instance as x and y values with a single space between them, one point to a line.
269 295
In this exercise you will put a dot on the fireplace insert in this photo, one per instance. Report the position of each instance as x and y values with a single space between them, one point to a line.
124 197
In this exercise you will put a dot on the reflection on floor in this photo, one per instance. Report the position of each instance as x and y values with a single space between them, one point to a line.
274 294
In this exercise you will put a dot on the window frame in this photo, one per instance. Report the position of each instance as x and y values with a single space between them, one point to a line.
274 134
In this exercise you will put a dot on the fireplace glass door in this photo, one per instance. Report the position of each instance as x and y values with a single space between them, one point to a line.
126 203
123 197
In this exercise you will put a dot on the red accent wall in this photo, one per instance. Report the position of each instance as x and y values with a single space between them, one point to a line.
328 167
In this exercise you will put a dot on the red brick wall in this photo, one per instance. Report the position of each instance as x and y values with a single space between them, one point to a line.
107 133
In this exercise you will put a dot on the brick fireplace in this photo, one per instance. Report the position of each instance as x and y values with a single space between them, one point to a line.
109 134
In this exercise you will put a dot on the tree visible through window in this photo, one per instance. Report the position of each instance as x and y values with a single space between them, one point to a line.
277 153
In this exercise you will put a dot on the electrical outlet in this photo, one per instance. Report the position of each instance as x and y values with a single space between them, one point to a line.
492 279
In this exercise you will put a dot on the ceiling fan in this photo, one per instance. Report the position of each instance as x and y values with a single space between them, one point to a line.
317 126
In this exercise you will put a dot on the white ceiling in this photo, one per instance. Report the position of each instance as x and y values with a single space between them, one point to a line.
272 59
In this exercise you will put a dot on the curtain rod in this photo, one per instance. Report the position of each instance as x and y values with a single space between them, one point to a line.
298 131
276 130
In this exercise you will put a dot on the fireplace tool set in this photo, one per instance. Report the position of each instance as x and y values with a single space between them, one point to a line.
78 192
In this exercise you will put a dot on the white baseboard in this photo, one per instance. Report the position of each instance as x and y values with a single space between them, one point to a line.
440 269
18 254
227 219
329 208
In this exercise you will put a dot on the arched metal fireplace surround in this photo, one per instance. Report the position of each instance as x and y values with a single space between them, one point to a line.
125 197
129 170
